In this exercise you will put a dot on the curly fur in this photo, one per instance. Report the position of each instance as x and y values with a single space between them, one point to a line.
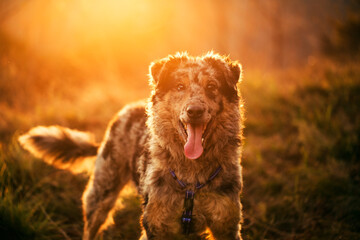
146 139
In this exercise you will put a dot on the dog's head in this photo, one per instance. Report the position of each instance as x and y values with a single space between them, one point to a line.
193 98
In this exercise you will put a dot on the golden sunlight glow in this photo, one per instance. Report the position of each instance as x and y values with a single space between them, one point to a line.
76 63
74 27
100 41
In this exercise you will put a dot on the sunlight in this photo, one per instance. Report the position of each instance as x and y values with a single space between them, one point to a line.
74 27
76 63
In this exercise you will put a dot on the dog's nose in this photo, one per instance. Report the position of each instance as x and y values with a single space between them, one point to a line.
195 111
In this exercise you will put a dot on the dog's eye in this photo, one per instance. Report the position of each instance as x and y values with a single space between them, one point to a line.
180 87
211 86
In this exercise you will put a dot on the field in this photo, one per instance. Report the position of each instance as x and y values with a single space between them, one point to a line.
75 63
301 154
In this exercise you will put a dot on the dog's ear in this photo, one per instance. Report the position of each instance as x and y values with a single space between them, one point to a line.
227 71
159 70
155 71
231 70
235 70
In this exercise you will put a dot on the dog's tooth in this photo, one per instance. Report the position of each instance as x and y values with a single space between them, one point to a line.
202 140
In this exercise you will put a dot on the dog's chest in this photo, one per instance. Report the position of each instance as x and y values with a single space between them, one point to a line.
195 202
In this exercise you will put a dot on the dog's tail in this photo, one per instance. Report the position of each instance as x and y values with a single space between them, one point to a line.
61 147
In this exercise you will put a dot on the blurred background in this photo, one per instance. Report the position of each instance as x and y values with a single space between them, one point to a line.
75 63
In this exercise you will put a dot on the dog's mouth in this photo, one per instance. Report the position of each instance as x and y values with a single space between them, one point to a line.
194 135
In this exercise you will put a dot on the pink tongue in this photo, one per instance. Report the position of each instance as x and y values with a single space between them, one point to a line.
193 147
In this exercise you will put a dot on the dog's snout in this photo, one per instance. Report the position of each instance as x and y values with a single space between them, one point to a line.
195 111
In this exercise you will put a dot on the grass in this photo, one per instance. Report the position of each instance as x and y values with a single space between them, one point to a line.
302 168
301 157
37 201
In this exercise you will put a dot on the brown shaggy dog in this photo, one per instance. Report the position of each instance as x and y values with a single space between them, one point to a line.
182 149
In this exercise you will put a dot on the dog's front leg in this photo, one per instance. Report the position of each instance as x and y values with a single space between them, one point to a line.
225 218
161 218
101 193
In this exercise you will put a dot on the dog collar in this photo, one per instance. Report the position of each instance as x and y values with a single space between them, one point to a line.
186 218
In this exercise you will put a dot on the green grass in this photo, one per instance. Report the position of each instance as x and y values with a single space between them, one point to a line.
302 169
37 201
301 163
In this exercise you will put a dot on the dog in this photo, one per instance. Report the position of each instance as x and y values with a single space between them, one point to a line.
181 147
